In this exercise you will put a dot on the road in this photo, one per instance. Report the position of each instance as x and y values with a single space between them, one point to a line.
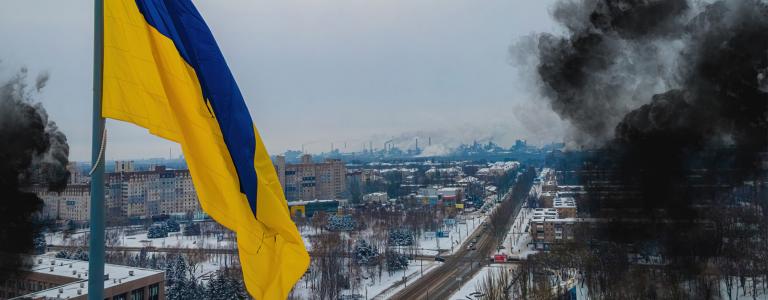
457 269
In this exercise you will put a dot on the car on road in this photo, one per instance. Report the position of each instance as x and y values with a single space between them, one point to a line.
439 258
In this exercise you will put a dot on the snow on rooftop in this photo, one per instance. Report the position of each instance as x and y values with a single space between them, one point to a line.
77 270
564 202
305 202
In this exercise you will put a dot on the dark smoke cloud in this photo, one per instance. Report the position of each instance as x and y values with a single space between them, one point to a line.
618 54
679 130
34 152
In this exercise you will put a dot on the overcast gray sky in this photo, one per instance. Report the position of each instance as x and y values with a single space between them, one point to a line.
318 71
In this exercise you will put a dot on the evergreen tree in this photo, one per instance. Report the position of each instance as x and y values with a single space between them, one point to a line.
157 231
365 253
341 223
40 244
191 229
172 226
400 237
80 255
396 261
223 287
179 284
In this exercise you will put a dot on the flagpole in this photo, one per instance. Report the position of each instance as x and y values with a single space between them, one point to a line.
96 243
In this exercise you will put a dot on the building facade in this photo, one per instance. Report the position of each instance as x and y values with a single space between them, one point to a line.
144 194
565 206
69 204
309 180
137 194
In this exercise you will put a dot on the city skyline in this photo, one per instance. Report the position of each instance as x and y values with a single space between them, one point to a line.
404 68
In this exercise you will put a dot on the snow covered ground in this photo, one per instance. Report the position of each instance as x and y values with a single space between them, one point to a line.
469 289
457 234
139 239
174 240
387 286
517 242
390 286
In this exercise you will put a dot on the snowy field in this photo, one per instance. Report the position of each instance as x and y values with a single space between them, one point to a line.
175 240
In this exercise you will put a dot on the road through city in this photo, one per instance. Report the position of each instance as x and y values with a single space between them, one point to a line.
462 266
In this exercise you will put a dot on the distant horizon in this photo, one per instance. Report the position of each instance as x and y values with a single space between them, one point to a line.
358 71
177 155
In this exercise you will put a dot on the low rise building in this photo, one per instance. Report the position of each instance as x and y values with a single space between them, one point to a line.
451 194
546 227
309 208
565 206
377 197
55 278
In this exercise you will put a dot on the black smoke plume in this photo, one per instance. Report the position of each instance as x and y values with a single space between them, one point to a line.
33 152
676 92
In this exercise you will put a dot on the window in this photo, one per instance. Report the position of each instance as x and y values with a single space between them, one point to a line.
137 294
123 296
154 292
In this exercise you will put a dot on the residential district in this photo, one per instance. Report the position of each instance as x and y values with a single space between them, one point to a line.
378 224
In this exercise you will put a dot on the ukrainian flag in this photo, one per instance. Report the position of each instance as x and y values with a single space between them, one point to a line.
164 71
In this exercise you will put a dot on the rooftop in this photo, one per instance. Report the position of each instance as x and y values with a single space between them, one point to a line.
564 202
77 270
294 203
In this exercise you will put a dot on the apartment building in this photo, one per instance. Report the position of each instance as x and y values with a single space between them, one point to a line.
309 180
69 204
159 191
547 227
138 194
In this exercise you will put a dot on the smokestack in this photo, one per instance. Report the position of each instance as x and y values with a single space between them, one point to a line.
34 152
417 143
429 141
